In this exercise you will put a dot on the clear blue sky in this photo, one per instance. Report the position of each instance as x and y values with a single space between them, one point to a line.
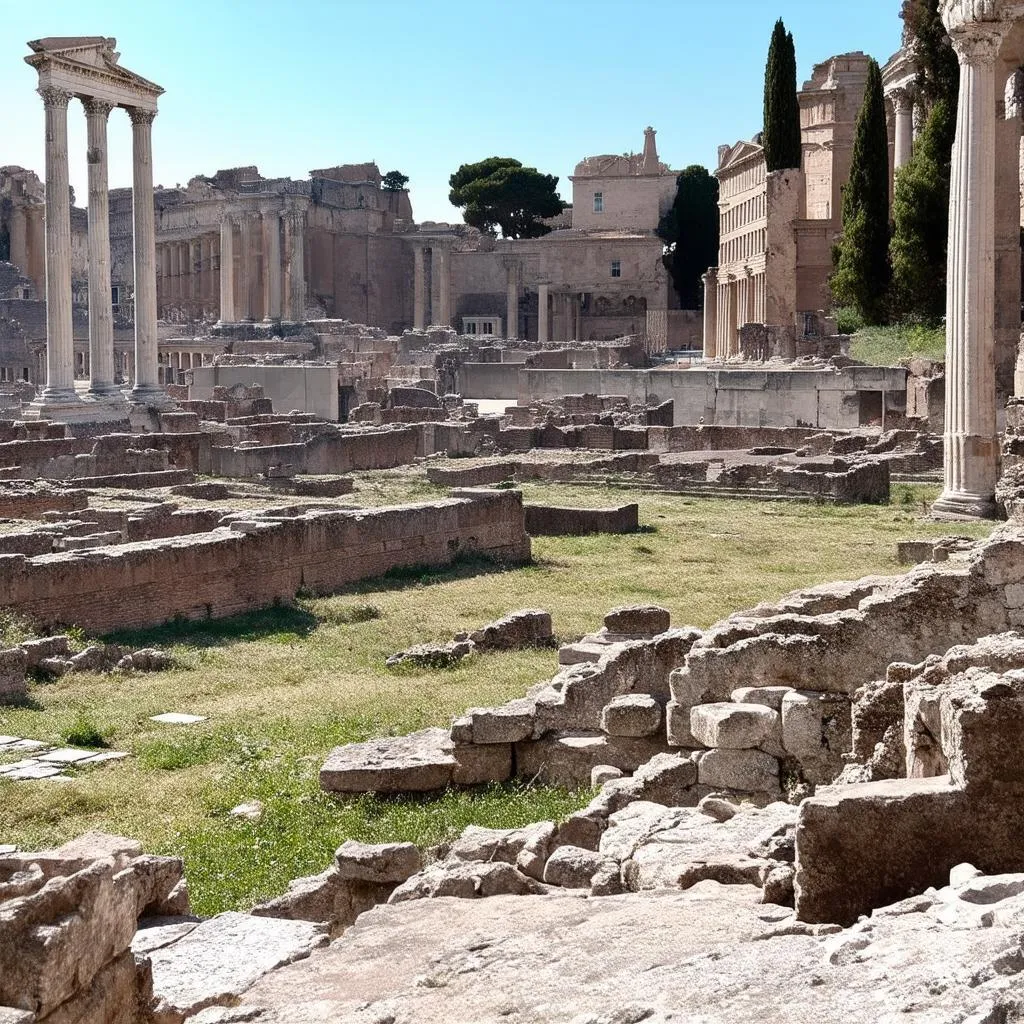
425 85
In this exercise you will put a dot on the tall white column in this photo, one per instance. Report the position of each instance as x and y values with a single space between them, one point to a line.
295 247
971 444
19 239
542 312
227 271
903 113
272 264
710 280
147 387
101 321
247 264
444 287
419 300
60 355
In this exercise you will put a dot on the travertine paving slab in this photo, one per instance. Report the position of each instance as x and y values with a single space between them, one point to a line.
177 718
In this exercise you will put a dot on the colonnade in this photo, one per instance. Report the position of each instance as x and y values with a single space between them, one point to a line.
730 301
187 273
261 263
432 271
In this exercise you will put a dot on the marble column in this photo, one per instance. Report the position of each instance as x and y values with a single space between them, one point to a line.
970 442
511 299
542 312
903 115
295 268
101 320
60 356
227 271
19 239
205 267
710 280
419 298
271 264
147 388
732 340
444 287
195 280
246 281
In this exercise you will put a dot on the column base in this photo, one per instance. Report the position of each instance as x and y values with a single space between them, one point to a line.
152 396
67 406
964 505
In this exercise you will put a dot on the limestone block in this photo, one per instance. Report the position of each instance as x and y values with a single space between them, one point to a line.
572 867
693 684
421 762
45 647
120 993
567 759
465 880
476 764
817 730
529 627
638 620
581 828
631 714
461 730
12 673
717 807
769 696
222 957
495 844
733 726
377 862
581 652
743 770
677 726
603 773
508 723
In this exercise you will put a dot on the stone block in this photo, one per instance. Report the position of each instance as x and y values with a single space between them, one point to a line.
529 627
45 647
476 764
421 762
733 726
817 730
12 674
377 862
769 696
603 773
572 867
508 723
750 771
677 726
631 714
567 759
638 620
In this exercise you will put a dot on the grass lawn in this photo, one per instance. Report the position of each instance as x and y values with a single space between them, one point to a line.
281 687
889 346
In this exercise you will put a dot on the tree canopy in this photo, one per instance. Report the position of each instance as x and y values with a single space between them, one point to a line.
781 138
394 181
690 232
500 192
861 278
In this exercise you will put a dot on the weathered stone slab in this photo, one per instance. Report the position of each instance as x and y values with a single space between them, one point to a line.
638 620
631 714
418 763
507 723
377 862
218 960
733 726
750 771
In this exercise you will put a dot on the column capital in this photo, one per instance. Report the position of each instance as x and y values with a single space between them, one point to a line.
902 99
95 107
139 116
54 97
978 42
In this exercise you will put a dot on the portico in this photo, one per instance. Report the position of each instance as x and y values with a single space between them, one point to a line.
86 68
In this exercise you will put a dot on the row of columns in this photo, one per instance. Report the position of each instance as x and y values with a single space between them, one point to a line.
283 291
730 301
187 270
60 366
431 263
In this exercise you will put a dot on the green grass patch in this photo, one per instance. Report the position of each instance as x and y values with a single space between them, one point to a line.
892 345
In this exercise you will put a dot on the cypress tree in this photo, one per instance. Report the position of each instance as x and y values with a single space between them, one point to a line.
690 231
781 138
862 271
921 194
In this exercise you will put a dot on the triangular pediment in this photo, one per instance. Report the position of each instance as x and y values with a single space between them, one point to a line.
88 55
729 156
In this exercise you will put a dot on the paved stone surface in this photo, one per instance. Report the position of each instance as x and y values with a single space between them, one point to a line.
177 718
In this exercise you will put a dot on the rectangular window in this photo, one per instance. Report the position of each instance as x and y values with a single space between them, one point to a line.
24 373
616 268
488 327
598 202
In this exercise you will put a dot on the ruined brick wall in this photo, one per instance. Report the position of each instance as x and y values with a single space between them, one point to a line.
257 563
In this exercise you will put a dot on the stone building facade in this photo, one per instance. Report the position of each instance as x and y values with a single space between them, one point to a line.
777 229
596 279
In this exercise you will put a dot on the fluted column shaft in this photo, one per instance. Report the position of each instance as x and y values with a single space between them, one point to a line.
101 321
19 239
246 281
419 303
227 271
295 247
710 280
971 445
147 385
60 357
272 264
444 288
542 312
903 115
